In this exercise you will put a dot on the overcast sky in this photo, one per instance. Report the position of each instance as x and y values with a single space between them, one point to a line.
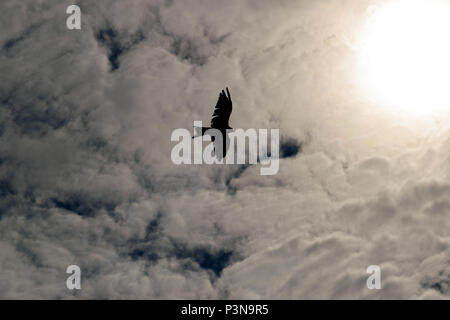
86 176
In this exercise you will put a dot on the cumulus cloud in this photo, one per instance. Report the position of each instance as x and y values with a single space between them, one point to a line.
86 177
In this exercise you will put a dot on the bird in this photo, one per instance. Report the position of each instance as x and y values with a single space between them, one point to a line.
220 120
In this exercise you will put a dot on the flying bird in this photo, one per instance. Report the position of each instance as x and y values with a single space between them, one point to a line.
220 120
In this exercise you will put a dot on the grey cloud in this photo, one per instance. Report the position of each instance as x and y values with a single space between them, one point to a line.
86 176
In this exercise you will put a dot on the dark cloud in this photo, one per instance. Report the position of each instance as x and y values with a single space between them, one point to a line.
9 44
214 260
290 147
110 39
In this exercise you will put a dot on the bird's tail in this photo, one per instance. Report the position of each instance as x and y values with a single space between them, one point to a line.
199 131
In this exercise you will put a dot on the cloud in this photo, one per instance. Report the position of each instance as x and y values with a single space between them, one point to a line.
86 176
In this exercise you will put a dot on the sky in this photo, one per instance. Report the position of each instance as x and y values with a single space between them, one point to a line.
86 176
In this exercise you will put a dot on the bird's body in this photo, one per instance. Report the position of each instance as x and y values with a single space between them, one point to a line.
220 119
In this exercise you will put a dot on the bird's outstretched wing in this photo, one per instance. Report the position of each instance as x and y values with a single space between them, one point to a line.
222 112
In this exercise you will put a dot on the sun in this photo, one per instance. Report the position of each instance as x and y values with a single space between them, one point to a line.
406 56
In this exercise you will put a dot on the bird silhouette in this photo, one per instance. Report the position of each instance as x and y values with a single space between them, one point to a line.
220 121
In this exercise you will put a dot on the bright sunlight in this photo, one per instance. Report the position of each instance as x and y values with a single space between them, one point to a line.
406 56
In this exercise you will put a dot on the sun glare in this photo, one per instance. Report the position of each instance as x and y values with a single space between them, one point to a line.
406 56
